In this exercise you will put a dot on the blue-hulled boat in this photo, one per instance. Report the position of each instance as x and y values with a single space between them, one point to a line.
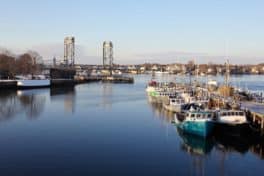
200 123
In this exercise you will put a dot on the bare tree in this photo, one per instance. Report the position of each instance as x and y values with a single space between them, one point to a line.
25 64
7 65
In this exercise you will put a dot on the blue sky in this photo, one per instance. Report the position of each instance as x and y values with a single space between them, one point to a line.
141 30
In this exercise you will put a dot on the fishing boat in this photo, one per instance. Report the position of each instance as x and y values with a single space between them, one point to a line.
160 96
174 104
200 123
161 72
29 82
212 83
152 85
233 122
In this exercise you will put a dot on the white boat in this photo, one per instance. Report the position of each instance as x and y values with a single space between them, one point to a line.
212 83
152 85
117 73
161 72
37 81
232 122
174 104
231 117
160 96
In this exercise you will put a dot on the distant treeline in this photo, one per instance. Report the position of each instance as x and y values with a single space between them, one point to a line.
11 65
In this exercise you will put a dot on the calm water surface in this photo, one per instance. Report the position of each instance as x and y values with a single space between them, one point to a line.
105 129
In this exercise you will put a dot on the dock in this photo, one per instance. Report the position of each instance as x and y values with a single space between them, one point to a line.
8 84
255 114
64 82
118 79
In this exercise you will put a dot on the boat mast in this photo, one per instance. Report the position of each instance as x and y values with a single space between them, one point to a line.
227 74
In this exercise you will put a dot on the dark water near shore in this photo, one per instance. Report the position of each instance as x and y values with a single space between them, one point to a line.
111 129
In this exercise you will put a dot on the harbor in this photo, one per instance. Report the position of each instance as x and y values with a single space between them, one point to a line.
204 109
112 122
131 88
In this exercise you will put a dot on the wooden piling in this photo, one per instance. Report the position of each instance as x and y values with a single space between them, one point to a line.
262 123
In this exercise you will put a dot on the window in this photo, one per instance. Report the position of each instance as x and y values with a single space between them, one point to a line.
241 113
192 115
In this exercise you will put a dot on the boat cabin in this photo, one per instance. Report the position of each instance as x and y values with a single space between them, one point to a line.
232 113
198 115
176 101
232 117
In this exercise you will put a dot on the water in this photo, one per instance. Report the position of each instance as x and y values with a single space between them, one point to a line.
105 129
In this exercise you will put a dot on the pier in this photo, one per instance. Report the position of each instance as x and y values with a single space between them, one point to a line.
64 82
118 79
255 114
8 84
257 120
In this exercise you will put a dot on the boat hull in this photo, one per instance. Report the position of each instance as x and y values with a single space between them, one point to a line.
232 129
201 128
172 108
32 84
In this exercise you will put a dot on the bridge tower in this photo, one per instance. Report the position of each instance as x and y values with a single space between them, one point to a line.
108 54
69 51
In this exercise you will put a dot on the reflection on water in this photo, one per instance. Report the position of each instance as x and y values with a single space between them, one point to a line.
160 112
8 105
107 98
195 145
32 102
12 103
65 94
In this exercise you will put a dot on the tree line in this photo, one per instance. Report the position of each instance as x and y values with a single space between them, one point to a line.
26 63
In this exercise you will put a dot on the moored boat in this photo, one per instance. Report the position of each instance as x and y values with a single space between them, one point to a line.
32 82
174 104
232 122
200 123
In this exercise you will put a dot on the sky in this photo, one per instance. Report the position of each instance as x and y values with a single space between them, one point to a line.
164 31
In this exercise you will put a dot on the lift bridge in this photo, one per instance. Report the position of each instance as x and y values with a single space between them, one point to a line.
69 55
68 60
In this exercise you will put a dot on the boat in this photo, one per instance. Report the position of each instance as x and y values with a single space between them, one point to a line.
161 72
117 73
152 85
212 83
29 82
200 123
233 122
174 104
160 96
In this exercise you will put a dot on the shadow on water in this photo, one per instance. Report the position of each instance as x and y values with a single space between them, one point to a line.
195 145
